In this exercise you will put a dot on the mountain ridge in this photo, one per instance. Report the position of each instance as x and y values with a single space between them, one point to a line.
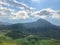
40 27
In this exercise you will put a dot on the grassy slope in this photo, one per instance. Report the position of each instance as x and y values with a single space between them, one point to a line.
29 40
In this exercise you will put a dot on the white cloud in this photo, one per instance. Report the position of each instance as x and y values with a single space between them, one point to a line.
38 1
35 0
56 16
23 14
47 13
20 15
4 12
26 11
15 3
12 14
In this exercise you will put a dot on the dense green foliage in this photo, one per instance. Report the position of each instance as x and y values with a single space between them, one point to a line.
16 39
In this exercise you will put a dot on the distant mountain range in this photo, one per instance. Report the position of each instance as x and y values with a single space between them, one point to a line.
4 23
41 27
41 23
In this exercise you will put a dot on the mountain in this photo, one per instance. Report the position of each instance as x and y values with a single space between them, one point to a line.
40 27
4 23
39 23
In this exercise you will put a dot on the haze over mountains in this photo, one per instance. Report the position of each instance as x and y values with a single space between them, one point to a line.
40 27
4 23
41 23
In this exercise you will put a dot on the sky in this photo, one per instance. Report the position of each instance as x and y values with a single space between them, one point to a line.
24 11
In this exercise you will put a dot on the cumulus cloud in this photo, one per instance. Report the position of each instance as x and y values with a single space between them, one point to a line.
56 16
47 13
5 12
16 4
26 12
20 15
12 14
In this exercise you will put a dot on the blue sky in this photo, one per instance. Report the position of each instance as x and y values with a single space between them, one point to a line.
22 11
40 4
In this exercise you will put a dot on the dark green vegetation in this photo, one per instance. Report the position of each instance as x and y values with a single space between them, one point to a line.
40 32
